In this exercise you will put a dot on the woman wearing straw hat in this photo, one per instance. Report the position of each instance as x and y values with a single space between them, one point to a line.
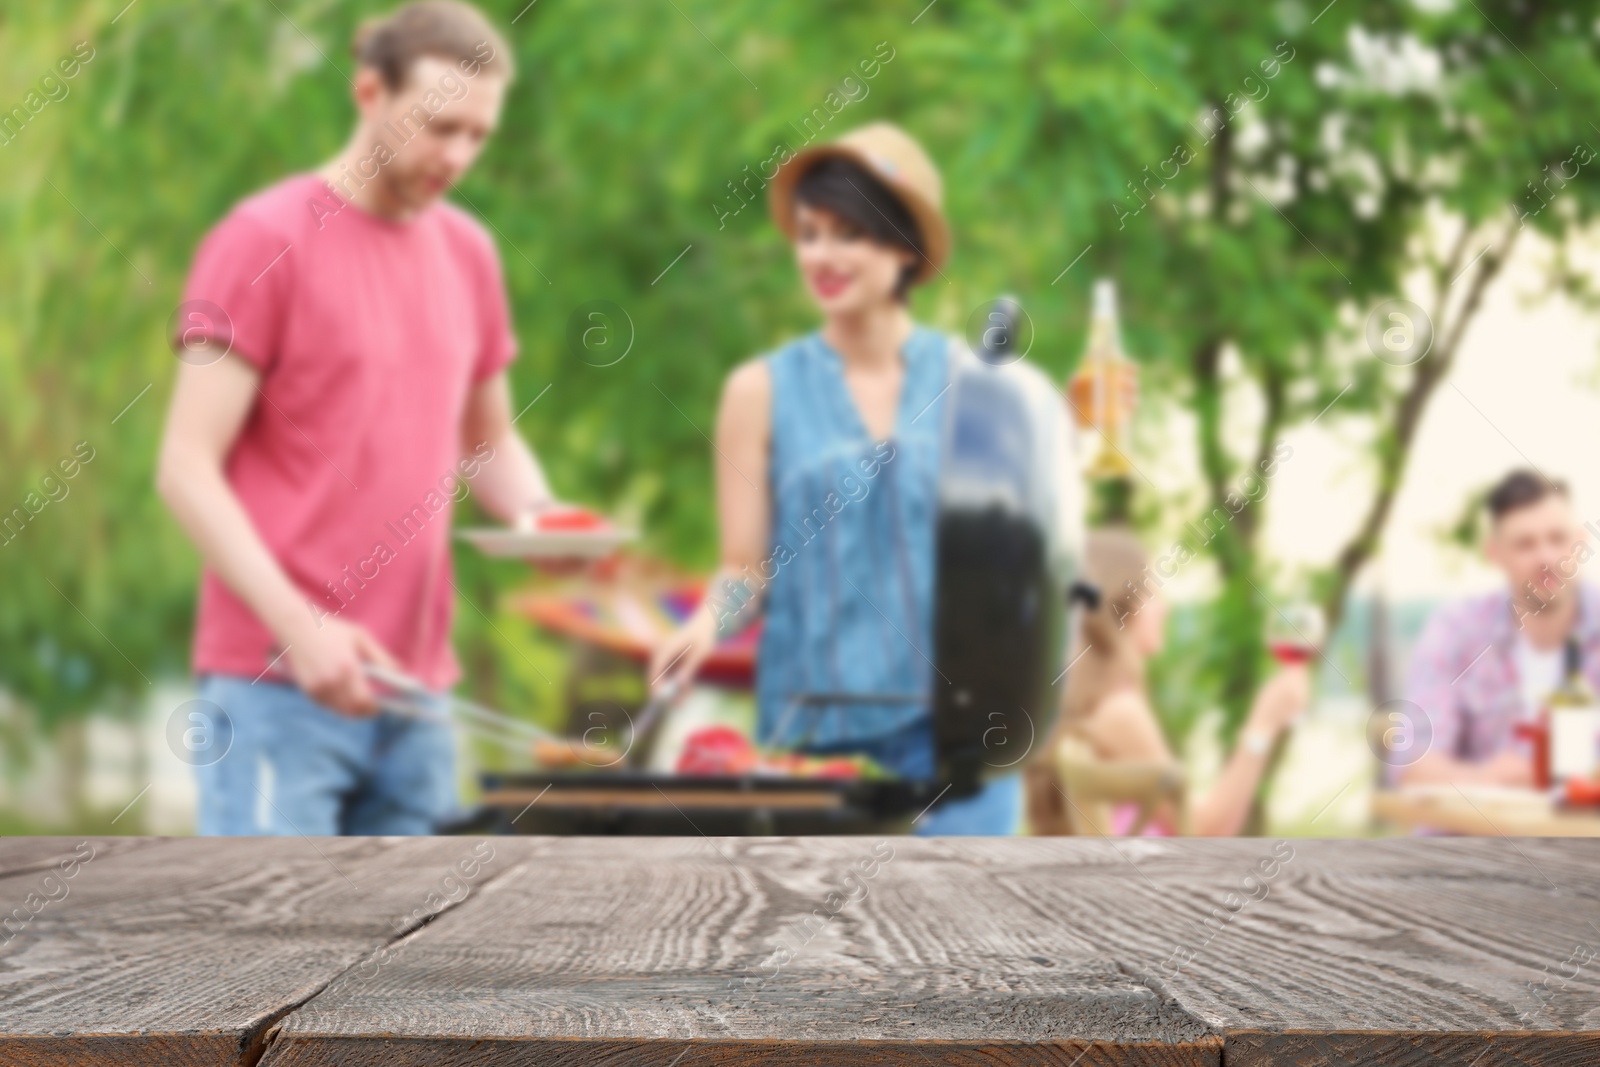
827 456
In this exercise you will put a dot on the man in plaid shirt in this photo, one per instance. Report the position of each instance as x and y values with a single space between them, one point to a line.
1486 663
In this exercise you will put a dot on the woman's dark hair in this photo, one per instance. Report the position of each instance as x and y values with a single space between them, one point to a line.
845 188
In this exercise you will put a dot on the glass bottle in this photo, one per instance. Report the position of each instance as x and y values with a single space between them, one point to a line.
1101 389
1574 721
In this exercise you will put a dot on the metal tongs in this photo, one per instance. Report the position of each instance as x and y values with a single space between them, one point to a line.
407 696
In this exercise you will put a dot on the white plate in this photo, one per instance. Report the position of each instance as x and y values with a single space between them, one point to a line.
503 543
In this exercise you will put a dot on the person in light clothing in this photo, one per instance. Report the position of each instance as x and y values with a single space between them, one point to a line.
1487 663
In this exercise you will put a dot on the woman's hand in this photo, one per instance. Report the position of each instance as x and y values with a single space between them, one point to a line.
1222 811
677 658
1281 700
744 505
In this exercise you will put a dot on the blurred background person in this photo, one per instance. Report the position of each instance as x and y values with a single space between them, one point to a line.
827 469
1489 662
630 146
1107 701
344 343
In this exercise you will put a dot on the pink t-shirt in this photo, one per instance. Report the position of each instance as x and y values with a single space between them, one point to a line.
369 335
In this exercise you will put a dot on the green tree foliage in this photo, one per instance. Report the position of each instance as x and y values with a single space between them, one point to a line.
1255 177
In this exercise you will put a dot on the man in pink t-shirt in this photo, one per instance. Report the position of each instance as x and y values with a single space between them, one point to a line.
343 343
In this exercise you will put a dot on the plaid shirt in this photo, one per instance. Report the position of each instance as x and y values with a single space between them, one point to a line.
1463 672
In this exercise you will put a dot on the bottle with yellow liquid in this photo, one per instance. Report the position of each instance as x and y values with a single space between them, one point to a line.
1101 390
1574 717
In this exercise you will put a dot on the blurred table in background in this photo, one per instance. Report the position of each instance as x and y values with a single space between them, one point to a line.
1485 813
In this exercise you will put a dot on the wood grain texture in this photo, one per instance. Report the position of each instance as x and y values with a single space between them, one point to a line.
777 951
185 951
1355 952
787 951
20 855
1366 1047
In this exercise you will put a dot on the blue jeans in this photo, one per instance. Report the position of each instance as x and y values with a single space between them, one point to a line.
296 767
996 808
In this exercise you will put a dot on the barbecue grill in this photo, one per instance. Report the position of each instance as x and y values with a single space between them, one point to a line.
630 802
1007 535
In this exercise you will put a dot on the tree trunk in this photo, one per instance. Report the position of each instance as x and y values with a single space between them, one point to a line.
1234 655
1394 450
1394 444
1235 651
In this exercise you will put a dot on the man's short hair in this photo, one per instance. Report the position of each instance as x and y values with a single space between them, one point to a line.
1521 489
444 29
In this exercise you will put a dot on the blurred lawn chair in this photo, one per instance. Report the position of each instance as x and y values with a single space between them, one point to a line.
1096 787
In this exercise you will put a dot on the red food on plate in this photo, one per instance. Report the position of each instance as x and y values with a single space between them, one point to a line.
717 750
722 750
1583 792
568 520
837 768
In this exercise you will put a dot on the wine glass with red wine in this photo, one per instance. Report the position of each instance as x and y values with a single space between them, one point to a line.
1295 633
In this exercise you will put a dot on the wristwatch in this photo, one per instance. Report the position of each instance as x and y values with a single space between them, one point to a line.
1255 742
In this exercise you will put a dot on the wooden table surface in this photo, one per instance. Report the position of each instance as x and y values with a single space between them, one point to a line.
680 952
1464 813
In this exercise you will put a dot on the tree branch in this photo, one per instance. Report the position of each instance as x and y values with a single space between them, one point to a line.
1273 387
1394 447
1215 465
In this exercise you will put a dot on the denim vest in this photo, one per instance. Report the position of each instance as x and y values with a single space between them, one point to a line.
849 577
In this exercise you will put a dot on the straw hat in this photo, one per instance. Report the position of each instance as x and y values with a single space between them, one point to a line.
890 154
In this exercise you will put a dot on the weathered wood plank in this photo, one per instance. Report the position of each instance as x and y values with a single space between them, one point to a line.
799 951
19 855
1350 952
1368 1047
185 951
546 1052
775 951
